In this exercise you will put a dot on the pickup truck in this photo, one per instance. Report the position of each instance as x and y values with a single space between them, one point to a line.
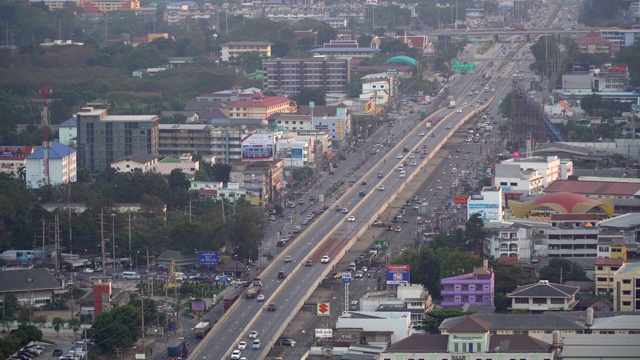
378 223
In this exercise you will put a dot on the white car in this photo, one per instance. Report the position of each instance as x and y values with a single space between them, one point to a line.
459 110
412 156
325 259
414 163
381 188
241 346
399 156
260 298
448 126
236 353
351 218
421 134
288 259
359 274
253 334
345 210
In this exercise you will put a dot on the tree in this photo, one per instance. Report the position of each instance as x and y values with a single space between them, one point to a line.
310 94
501 302
434 319
560 270
58 323
10 305
116 328
74 325
508 277
474 232
591 103
506 105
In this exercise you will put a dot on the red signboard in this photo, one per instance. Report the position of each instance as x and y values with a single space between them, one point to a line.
460 200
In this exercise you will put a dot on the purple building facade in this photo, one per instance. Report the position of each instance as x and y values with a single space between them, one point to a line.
476 288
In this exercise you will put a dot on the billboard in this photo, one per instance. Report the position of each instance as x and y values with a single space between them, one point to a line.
208 258
488 212
296 153
257 147
397 274
323 309
460 200
346 276
578 67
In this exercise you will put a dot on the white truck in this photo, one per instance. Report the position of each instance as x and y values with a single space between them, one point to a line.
202 328
451 102
428 125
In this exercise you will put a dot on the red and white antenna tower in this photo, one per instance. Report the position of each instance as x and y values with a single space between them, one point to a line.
46 94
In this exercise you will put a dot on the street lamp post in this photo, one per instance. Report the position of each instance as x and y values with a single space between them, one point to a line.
29 281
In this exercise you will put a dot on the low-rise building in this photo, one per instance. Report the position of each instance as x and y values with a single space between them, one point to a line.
469 338
13 160
414 299
138 162
184 163
217 190
233 49
626 292
223 144
261 107
30 286
550 168
476 288
543 296
488 205
593 43
61 166
509 239
515 179
334 120
375 327
573 235
262 181
68 132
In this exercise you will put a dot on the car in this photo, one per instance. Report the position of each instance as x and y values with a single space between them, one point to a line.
282 275
312 198
380 187
351 218
253 334
308 263
286 342
57 352
364 182
359 274
345 210
398 229
88 270
242 345
325 259
256 344
399 156
380 175
288 259
402 174
412 156
448 127
459 110
421 134
272 218
260 298
271 307
414 163
364 269
236 354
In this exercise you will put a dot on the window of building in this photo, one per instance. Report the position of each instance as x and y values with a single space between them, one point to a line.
522 300
626 281
557 301
539 301
626 303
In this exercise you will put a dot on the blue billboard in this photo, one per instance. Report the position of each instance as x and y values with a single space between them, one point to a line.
398 274
208 258
296 153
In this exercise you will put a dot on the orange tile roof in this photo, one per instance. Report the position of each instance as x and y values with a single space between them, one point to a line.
609 262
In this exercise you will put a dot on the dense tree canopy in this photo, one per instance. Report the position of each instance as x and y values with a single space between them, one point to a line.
560 270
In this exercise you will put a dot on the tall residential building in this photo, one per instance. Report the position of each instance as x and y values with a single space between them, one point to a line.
291 75
104 138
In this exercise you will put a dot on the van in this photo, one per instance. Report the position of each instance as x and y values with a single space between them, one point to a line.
130 275
180 276
352 266
256 344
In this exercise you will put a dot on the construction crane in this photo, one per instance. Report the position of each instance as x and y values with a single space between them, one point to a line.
46 98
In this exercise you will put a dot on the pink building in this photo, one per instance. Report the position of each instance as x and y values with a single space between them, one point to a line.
476 288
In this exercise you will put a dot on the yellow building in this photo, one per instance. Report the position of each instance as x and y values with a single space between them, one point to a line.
261 107
626 294
605 268
56 4
158 36
235 48
102 6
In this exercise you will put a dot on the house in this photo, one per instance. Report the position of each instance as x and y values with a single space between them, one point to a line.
605 268
30 286
140 161
593 43
61 167
474 288
561 108
233 49
183 163
543 296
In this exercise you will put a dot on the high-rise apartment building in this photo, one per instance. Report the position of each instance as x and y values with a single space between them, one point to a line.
291 75
104 138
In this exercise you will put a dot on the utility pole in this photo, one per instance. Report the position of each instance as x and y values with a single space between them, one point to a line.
129 228
104 264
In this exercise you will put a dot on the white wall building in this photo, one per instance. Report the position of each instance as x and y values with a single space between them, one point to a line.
184 163
397 323
512 178
488 204
68 131
295 153
550 168
142 162
509 239
62 166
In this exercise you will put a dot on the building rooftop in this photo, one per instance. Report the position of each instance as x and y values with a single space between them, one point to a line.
624 221
595 346
517 344
609 262
56 151
421 343
467 324
18 280
620 322
139 157
628 267
609 188
72 122
544 288
246 43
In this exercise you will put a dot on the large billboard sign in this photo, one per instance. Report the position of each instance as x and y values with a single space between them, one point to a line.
257 147
208 258
578 67
488 212
398 274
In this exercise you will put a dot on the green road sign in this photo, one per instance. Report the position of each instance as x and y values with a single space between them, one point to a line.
392 71
459 65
